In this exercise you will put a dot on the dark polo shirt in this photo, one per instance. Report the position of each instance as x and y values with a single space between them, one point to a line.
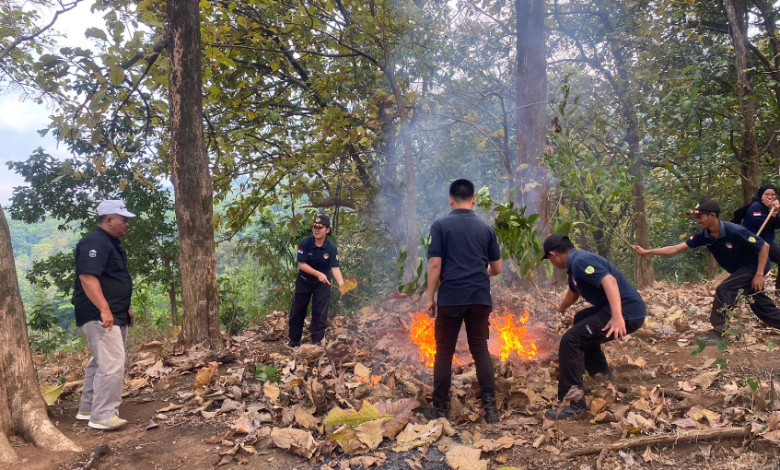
101 255
587 270
465 245
754 218
322 258
736 247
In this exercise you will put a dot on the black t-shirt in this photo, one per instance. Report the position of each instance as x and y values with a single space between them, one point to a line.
322 258
736 247
587 270
101 255
755 217
465 245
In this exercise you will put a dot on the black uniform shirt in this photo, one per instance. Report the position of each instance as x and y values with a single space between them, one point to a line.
101 255
322 258
465 245
736 247
587 270
754 218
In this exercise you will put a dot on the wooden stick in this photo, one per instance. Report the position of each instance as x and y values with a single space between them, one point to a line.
684 437
765 221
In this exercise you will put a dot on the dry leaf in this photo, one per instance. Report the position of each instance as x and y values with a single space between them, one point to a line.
337 416
271 391
170 407
362 371
401 412
706 379
491 445
241 426
296 441
305 419
466 458
417 435
139 383
51 393
371 433
205 375
648 455
349 285
597 405
413 464
157 370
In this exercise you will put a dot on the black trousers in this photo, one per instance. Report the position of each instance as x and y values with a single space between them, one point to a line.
580 348
774 256
305 290
447 327
726 299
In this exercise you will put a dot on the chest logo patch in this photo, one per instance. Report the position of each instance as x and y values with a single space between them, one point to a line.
326 256
92 253
590 270
729 245
752 239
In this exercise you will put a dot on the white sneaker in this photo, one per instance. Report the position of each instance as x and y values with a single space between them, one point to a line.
114 422
83 415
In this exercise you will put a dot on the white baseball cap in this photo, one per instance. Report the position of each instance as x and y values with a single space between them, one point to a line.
114 207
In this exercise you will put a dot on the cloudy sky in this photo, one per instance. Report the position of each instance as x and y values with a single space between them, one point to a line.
19 120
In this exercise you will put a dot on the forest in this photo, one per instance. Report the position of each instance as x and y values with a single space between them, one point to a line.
227 125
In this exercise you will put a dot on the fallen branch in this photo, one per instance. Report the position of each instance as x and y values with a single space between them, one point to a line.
91 463
684 437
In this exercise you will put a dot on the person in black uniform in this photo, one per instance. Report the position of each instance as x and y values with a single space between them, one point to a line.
317 258
617 311
755 214
739 252
463 254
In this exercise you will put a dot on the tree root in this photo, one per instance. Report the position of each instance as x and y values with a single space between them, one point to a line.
684 437
46 436
7 454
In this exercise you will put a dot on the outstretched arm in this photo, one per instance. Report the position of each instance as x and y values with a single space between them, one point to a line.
670 250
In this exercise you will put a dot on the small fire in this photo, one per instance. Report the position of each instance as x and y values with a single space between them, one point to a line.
421 333
512 335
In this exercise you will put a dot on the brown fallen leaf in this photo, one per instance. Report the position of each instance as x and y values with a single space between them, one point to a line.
305 419
371 433
296 441
205 375
171 407
705 379
492 445
271 391
466 458
348 285
400 412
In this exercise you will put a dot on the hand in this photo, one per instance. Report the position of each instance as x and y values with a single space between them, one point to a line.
107 319
132 317
322 277
775 205
758 282
640 251
560 309
616 326
430 308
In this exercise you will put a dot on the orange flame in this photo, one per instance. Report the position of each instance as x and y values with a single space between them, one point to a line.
421 333
512 335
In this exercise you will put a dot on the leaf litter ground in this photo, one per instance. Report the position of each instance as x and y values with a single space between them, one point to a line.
354 401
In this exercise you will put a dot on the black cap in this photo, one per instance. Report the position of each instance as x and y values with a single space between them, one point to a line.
322 219
705 205
556 240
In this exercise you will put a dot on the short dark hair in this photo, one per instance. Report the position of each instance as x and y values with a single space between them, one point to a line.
101 218
462 190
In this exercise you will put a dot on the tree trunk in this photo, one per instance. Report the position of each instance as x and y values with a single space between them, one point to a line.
644 274
172 293
22 409
410 265
191 178
530 174
736 12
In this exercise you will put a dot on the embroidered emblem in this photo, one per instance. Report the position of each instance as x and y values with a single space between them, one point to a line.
300 251
728 245
318 219
590 270
326 256
752 239
756 214
92 253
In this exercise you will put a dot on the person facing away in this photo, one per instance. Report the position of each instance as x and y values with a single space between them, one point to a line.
738 251
617 310
754 216
463 254
101 300
317 258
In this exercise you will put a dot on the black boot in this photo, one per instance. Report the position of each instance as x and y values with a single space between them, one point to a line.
438 410
575 410
491 412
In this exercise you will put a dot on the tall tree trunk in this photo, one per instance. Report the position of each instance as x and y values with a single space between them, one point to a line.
736 12
22 409
172 293
410 265
530 174
644 275
191 178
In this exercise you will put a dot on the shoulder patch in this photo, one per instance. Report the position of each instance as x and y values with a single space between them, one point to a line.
430 239
92 253
590 270
752 239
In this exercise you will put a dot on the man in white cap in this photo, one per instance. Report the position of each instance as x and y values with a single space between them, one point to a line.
101 299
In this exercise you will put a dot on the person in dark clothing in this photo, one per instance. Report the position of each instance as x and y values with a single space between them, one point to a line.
617 310
101 303
756 213
739 252
463 254
317 258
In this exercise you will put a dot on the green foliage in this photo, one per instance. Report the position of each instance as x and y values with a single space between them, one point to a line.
267 373
418 284
516 233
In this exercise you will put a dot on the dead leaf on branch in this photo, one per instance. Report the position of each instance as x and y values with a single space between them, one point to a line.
466 458
296 441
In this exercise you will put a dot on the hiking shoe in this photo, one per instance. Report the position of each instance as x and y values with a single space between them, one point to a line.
711 337
491 412
292 344
575 410
110 424
83 415
434 413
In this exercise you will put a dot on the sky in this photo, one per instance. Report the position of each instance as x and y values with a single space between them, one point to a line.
20 120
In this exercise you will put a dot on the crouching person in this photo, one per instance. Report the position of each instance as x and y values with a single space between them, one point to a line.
617 311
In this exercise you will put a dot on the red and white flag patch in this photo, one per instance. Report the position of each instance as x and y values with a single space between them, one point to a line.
300 251
756 214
